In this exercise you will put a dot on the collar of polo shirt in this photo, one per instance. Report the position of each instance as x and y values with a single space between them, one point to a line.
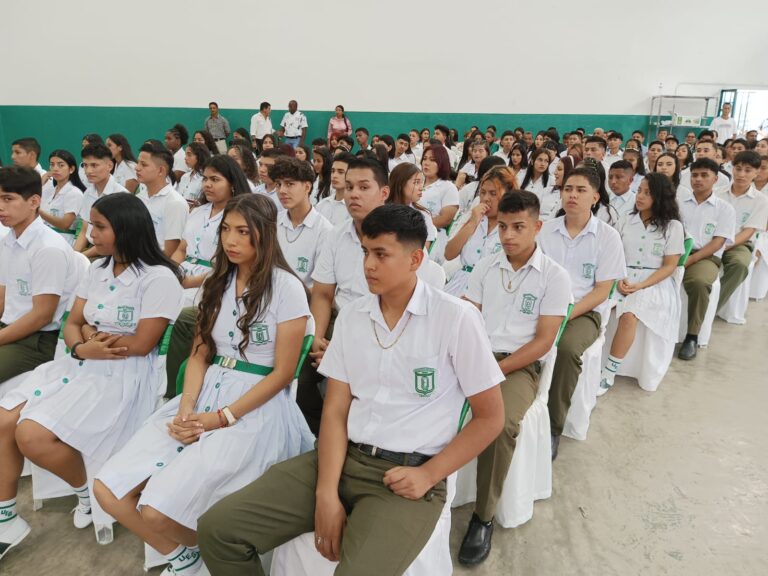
126 278
590 228
417 305
29 234
283 219
535 261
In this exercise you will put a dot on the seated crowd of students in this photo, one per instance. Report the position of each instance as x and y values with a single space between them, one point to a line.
284 243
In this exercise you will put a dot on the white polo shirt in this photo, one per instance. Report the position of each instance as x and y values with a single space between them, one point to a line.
90 196
595 255
66 201
169 213
646 247
293 124
723 183
623 204
39 169
260 126
713 217
609 158
302 245
539 188
262 189
751 209
438 195
38 262
340 262
335 211
190 185
513 301
201 232
124 171
408 398
179 161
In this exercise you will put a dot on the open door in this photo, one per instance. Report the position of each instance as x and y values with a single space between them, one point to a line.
727 97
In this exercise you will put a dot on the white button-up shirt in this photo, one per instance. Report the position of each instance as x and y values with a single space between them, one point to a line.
751 209
623 204
169 213
260 126
90 196
438 195
341 263
512 300
66 201
180 161
723 183
293 124
713 217
38 262
647 247
408 397
302 245
335 211
124 171
201 233
595 255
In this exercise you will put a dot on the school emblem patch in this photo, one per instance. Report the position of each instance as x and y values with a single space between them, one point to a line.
259 334
424 381
303 264
496 248
709 229
658 249
23 287
124 315
528 303
744 217
588 271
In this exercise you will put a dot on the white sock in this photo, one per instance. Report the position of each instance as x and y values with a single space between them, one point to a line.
7 513
185 560
608 374
83 496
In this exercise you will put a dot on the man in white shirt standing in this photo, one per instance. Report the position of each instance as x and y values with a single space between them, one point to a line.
293 126
724 125
261 124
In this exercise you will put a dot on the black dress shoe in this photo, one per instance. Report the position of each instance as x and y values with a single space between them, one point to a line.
555 446
477 542
687 349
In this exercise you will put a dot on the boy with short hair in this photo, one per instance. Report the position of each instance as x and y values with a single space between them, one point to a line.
507 141
403 362
25 152
620 178
37 278
98 164
751 213
332 206
710 221
268 186
362 135
523 296
706 148
614 152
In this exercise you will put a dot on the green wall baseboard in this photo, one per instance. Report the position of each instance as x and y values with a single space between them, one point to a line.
64 126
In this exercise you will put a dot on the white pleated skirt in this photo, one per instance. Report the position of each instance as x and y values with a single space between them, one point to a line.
658 307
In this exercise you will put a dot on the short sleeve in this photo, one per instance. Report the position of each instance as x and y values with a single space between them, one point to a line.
474 291
83 288
3 266
72 201
292 300
451 196
282 122
611 264
759 216
324 271
675 238
557 294
303 123
726 222
471 354
333 364
175 219
84 211
49 267
161 296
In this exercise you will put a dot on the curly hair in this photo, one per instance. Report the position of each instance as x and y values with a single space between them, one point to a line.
664 208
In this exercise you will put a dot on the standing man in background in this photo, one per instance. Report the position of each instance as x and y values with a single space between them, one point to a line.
293 126
261 124
218 127
724 125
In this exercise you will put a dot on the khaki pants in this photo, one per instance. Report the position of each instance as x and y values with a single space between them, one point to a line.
383 535
697 283
735 270
579 334
180 346
518 391
221 146
26 354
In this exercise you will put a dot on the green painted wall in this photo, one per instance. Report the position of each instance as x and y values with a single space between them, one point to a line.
64 126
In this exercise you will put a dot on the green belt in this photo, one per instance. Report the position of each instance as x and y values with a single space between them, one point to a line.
240 366
60 231
467 268
192 260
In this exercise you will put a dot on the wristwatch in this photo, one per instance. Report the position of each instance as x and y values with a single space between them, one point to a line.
228 415
73 351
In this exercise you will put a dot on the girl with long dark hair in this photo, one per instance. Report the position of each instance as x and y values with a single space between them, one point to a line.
406 183
62 195
196 156
125 162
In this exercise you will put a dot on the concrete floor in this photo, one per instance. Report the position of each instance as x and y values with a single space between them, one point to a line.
674 482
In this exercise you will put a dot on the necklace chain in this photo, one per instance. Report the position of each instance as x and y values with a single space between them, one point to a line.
508 284
301 231
375 333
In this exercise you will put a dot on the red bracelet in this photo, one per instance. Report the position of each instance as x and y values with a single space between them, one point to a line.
223 423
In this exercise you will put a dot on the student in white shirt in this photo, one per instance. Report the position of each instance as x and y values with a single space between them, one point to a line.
518 161
222 180
538 178
468 195
261 124
635 159
415 145
524 296
620 178
440 195
652 236
25 152
196 157
724 125
655 149
166 206
751 211
478 237
592 253
125 162
235 417
478 151
98 163
614 153
293 126
551 202
402 152
761 180
443 136
62 195
240 153
406 184
507 141
333 206
175 140
268 187
668 165
322 161
301 230
710 221
37 277
404 360
706 149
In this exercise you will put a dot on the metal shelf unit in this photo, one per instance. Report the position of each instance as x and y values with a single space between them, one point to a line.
664 106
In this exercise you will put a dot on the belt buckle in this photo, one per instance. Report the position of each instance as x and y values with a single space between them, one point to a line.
228 362
193 260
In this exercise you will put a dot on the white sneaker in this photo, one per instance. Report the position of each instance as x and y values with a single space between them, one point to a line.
13 535
83 517
202 571
603 388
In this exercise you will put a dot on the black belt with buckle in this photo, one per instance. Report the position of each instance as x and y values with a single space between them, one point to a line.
399 458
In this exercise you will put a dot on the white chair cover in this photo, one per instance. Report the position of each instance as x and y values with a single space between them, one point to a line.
759 284
530 474
298 557
434 275
735 310
709 317
585 395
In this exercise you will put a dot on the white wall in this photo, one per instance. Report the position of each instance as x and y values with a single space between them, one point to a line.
523 56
